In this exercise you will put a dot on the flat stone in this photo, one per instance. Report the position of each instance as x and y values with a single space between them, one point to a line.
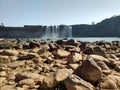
16 64
26 82
62 74
27 75
73 82
9 52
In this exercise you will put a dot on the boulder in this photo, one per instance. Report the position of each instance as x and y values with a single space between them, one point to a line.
95 50
16 64
26 75
26 82
99 58
28 56
9 52
105 69
3 73
74 57
72 42
73 66
48 82
73 82
61 53
111 82
2 79
62 74
33 44
4 59
89 71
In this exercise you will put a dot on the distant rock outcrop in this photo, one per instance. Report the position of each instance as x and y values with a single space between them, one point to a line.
109 27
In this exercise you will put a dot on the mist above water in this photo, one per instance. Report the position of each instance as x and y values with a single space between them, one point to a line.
57 32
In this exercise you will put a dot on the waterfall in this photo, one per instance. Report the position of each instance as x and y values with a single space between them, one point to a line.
52 32
69 31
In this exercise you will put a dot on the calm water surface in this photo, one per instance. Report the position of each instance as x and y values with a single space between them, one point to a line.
88 39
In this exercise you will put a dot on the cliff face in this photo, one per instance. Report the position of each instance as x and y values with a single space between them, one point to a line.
106 28
22 32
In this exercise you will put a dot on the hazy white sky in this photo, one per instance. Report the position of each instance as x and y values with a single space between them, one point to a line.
55 12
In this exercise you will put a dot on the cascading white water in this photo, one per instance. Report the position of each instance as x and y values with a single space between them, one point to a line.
56 32
51 32
69 31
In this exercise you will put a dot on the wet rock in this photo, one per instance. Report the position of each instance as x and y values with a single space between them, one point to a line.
74 82
74 57
4 59
89 71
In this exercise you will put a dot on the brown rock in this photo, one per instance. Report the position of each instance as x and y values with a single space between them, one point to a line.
74 57
3 73
49 82
28 56
26 82
26 75
99 58
4 59
73 66
89 71
62 74
62 53
111 82
9 52
16 64
105 69
2 79
74 82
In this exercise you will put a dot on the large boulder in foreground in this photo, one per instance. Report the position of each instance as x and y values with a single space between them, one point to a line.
89 71
73 82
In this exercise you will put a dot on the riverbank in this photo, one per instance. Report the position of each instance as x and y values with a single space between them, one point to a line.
59 65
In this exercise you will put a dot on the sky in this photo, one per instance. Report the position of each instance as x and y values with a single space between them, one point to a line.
56 12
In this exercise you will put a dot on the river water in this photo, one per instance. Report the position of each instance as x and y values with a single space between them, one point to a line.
85 39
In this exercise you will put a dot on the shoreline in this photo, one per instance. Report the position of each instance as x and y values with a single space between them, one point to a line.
59 65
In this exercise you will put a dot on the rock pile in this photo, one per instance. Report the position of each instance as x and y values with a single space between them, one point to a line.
59 65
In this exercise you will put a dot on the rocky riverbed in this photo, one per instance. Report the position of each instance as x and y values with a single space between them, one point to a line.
59 65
